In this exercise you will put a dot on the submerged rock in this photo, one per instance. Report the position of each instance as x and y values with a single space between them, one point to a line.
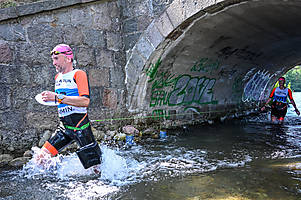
19 162
5 159
149 131
130 130
28 153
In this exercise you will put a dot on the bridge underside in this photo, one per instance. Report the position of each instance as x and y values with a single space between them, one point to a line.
216 64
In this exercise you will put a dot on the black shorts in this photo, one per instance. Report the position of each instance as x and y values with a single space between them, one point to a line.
279 110
64 136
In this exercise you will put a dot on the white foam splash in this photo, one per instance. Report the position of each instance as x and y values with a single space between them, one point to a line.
114 168
117 169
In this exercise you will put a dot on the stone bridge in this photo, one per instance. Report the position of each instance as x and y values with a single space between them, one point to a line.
173 62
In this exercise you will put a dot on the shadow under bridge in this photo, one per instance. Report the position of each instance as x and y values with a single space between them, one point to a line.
212 60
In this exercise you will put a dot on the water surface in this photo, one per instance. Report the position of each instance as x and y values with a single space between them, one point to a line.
246 159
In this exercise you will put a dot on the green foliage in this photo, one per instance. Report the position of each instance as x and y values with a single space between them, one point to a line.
7 4
12 3
293 77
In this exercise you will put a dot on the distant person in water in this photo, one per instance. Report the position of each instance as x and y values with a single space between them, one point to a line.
279 105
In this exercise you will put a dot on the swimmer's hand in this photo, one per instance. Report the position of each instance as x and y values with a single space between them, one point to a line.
48 96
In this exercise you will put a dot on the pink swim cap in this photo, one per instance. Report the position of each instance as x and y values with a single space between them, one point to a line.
281 79
62 49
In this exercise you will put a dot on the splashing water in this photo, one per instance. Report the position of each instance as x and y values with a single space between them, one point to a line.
75 181
113 168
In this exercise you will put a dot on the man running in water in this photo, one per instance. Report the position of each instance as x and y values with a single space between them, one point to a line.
72 95
279 97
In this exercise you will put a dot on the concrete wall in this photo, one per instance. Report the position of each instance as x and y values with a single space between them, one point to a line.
101 34
27 35
184 61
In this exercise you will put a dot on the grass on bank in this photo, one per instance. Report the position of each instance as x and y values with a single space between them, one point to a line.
12 3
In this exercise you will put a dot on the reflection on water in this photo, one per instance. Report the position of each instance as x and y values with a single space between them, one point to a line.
247 159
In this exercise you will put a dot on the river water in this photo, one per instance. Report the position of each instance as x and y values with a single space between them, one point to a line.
245 159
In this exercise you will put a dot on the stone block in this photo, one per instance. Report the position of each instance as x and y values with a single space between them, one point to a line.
104 58
5 53
130 25
61 18
130 40
41 54
42 119
94 38
164 24
102 19
41 34
144 47
119 58
159 6
12 120
73 35
135 9
30 9
176 13
7 13
153 35
193 7
5 95
85 56
81 17
143 22
137 60
114 41
95 97
12 32
110 98
131 75
117 77
99 77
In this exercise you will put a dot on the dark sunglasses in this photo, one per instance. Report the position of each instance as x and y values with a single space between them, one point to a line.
58 52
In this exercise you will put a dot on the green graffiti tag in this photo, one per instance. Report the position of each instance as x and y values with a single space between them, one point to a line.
205 65
165 79
152 71
190 90
167 89
158 98
162 114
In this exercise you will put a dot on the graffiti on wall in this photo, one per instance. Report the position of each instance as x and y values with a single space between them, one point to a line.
255 87
190 90
205 65
171 90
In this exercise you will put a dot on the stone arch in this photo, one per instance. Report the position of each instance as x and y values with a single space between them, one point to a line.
242 52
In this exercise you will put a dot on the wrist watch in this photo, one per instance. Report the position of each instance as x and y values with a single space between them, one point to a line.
60 97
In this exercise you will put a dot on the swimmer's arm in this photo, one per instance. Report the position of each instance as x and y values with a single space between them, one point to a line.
268 101
294 104
78 101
